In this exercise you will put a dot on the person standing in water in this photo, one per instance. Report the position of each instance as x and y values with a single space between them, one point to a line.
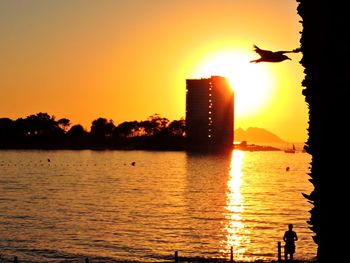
289 237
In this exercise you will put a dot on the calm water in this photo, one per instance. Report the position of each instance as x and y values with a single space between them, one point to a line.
96 204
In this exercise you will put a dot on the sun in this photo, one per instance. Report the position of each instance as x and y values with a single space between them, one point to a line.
253 84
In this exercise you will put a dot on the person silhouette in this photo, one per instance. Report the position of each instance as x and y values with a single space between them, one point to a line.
289 237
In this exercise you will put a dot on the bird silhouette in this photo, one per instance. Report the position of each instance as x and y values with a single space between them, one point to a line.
270 56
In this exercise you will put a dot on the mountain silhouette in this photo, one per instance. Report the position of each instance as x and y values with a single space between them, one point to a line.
256 135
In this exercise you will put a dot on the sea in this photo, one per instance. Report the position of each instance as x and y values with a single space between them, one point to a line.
145 206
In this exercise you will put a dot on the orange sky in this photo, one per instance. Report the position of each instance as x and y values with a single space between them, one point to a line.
126 60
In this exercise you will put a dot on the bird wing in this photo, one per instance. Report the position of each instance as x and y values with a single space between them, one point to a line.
262 52
265 53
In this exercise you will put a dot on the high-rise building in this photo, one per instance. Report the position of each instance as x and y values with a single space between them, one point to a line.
209 113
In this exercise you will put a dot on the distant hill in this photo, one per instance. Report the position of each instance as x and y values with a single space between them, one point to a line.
256 135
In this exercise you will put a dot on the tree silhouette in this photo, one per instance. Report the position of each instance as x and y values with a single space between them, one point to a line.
324 46
38 129
77 137
64 124
177 127
126 129
101 130
6 128
76 131
154 124
42 131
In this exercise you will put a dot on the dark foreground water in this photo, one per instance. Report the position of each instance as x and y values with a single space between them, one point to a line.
63 206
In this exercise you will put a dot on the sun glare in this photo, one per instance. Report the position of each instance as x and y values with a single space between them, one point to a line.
253 84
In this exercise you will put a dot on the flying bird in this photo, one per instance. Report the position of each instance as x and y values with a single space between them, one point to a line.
270 56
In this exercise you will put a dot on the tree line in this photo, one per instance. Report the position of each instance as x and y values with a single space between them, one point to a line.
42 131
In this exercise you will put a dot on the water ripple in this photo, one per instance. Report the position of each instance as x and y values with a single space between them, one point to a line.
96 205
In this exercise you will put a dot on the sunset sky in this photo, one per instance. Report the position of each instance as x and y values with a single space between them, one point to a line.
126 60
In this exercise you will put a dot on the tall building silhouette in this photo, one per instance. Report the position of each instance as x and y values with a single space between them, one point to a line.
209 113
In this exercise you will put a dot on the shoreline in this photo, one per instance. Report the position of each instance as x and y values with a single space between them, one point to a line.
11 259
242 147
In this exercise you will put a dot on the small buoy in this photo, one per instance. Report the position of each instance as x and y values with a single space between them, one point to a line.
287 168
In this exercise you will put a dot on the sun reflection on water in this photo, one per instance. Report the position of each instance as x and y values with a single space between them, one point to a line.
236 236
